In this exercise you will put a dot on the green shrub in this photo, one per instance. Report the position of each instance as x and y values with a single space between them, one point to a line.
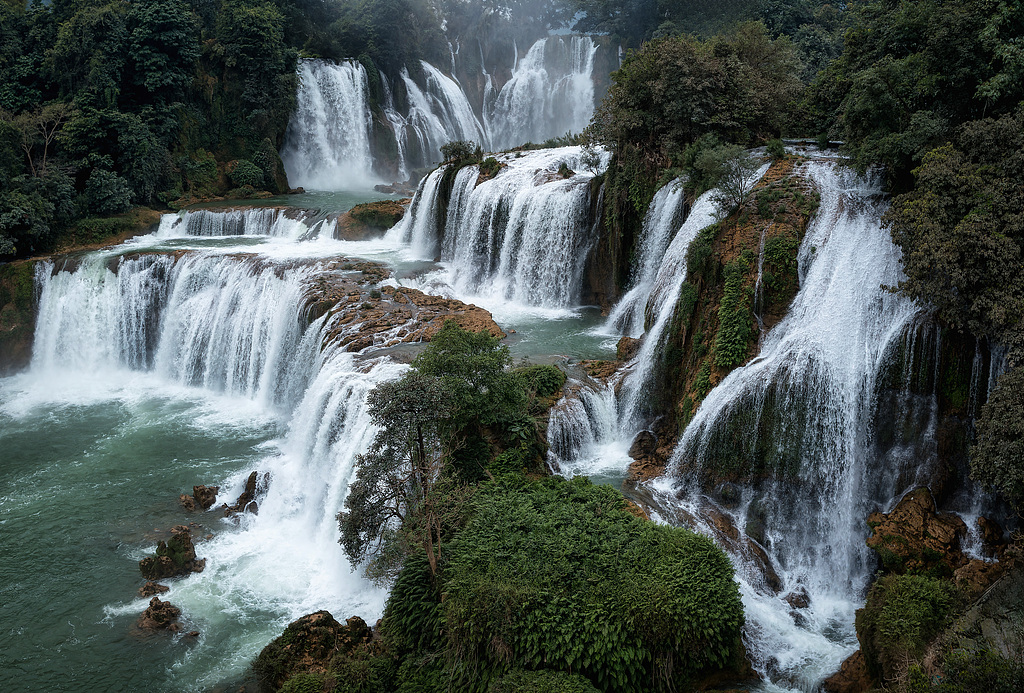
734 317
489 167
556 573
776 149
995 459
698 254
902 615
106 193
305 682
542 681
246 173
460 150
544 380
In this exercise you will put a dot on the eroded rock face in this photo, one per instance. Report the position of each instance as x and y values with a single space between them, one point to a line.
176 556
308 644
914 537
627 348
205 496
246 501
160 616
852 677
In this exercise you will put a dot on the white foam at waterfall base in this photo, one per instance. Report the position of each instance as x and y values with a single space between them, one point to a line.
327 142
183 329
819 363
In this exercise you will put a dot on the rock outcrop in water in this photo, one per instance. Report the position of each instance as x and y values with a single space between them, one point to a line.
160 616
174 557
203 497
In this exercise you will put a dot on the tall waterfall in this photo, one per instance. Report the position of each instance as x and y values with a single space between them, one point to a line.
592 432
551 92
327 143
330 141
660 223
521 236
799 415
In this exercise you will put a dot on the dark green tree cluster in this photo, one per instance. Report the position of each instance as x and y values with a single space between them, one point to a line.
912 72
109 104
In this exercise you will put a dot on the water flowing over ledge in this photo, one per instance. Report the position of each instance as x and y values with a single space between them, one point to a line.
332 141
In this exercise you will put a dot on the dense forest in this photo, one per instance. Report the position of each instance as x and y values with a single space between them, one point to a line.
108 108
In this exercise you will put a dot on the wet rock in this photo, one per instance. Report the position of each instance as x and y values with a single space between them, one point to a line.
991 536
627 348
914 537
205 496
176 556
798 598
246 502
308 644
728 494
644 445
151 588
976 576
852 677
160 616
722 524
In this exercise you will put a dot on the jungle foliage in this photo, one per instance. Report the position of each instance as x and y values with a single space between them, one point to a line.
548 584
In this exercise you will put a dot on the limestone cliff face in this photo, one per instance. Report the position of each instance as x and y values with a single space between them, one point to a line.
723 311
17 315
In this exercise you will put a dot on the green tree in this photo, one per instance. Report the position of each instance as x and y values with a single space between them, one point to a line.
961 230
912 71
395 478
997 459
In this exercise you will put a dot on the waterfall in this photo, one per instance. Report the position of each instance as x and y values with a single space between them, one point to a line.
327 143
521 236
551 92
201 325
216 322
438 113
660 223
251 221
583 439
798 415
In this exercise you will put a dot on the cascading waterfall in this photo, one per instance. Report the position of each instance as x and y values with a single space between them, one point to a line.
232 325
551 93
582 435
660 223
216 322
439 112
327 143
521 236
798 416
251 221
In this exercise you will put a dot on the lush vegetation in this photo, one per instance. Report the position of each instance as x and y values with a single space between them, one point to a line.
548 584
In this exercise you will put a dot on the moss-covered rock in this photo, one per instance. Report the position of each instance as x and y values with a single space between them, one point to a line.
17 315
